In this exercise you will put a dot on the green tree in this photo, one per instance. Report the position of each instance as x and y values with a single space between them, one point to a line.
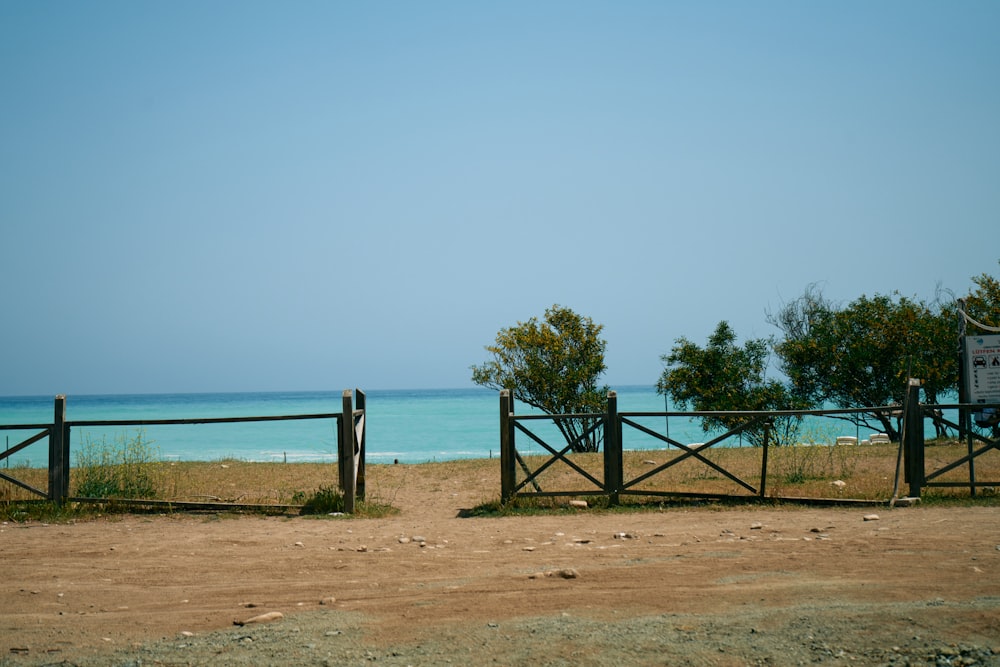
983 304
861 355
724 376
554 366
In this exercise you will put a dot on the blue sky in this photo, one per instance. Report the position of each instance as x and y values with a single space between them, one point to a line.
255 196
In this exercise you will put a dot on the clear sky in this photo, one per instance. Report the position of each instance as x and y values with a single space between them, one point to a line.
257 196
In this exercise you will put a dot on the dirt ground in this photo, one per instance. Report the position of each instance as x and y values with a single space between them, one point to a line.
698 585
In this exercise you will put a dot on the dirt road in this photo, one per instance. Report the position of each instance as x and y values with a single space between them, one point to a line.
757 585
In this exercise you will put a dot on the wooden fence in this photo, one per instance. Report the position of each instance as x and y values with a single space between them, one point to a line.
350 430
607 476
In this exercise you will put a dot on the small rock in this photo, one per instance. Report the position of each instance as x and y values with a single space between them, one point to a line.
187 633
566 573
756 525
650 462
362 548
838 483
579 504
404 540
418 538
328 601
263 618
527 548
871 517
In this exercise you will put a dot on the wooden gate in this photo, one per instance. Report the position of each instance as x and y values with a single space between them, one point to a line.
350 432
593 472
608 474
45 432
978 443
602 474
624 470
58 454
699 453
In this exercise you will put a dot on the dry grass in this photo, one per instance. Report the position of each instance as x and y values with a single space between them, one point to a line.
868 472
804 471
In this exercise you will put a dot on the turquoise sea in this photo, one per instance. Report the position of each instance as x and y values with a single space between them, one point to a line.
409 426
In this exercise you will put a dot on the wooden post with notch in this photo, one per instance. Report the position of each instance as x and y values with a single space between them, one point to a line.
348 472
361 430
508 476
59 453
768 427
913 439
613 480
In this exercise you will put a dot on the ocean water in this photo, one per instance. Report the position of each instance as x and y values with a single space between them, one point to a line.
409 426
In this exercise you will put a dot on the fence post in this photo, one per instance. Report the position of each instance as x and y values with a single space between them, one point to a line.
360 403
507 453
348 473
59 453
913 439
964 415
768 424
613 481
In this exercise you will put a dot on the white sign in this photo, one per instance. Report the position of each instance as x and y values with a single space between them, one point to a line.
982 359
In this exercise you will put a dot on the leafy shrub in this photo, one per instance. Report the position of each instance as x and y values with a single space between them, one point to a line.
326 500
126 468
